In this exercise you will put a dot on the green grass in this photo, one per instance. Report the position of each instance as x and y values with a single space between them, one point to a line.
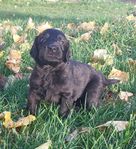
48 124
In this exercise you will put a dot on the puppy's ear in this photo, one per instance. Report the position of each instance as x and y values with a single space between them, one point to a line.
67 54
34 50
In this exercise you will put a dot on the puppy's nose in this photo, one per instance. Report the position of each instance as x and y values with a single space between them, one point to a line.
52 48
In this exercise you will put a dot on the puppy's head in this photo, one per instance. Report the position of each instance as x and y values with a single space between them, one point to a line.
50 48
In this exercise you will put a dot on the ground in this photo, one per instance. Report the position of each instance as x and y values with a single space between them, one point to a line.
48 125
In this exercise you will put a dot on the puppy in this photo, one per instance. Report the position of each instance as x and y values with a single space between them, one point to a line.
58 79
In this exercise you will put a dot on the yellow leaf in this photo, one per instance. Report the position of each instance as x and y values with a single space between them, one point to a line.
85 36
30 24
125 95
87 26
16 38
45 145
8 123
43 27
71 26
24 121
104 29
131 17
118 74
1 53
118 125
7 119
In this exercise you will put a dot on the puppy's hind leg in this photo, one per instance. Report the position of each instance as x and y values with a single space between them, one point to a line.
94 90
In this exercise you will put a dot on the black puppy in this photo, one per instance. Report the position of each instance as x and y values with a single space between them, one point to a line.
57 79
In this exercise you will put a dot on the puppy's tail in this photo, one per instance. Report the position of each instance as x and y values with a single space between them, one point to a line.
110 81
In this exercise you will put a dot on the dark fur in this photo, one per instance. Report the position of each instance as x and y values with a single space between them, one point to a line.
57 79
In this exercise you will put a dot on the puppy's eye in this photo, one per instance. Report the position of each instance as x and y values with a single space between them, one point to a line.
59 37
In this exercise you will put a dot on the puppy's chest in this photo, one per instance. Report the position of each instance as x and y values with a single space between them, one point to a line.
53 81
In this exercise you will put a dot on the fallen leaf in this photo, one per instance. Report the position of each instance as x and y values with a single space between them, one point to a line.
7 119
14 60
15 29
1 53
30 24
118 125
45 145
43 27
71 26
119 75
19 39
87 26
85 36
132 62
131 17
76 132
9 123
125 95
100 54
104 29
117 50
23 122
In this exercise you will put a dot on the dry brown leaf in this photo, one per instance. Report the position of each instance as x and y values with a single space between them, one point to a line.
85 37
30 24
45 145
118 125
14 59
125 95
71 26
131 17
87 26
119 75
76 132
43 27
132 62
117 50
104 29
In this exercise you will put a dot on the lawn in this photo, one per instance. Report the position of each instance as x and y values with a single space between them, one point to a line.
48 125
